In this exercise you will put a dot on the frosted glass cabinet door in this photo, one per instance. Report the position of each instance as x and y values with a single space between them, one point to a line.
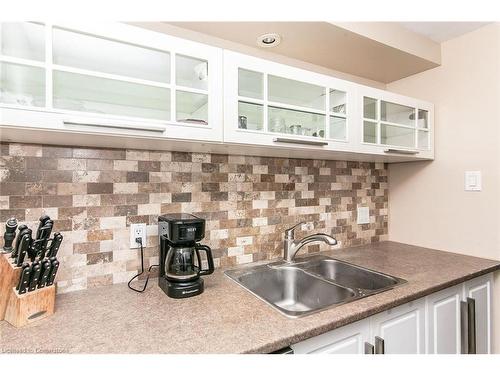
78 92
302 94
191 72
78 50
22 39
22 85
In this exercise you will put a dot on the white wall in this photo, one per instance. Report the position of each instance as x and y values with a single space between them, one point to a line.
427 202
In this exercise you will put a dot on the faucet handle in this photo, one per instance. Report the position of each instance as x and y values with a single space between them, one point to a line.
290 232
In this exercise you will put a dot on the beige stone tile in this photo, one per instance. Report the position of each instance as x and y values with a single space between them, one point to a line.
259 204
113 222
125 165
125 188
149 209
137 155
17 149
71 164
4 202
243 241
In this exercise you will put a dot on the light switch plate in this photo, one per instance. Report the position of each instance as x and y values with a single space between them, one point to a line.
473 181
363 215
137 230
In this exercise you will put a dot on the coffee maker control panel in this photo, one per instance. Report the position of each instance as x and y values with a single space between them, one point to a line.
181 228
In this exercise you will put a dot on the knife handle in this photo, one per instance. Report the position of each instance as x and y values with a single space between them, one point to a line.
53 272
24 279
43 219
22 229
56 243
45 273
23 248
43 238
35 276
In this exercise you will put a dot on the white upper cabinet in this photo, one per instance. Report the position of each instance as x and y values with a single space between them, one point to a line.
395 124
125 81
271 104
111 77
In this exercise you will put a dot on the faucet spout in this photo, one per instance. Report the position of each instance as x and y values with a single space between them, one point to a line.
292 246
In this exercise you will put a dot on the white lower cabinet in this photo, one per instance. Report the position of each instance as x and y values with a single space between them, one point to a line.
400 330
452 321
479 290
443 314
349 339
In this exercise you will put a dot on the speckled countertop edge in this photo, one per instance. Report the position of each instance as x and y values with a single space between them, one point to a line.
226 318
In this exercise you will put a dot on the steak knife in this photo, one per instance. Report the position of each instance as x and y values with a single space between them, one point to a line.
35 276
54 246
53 271
24 279
23 248
44 273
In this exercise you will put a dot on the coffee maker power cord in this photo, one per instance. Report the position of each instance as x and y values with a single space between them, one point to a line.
139 241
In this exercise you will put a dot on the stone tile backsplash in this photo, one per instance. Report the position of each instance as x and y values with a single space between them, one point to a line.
95 194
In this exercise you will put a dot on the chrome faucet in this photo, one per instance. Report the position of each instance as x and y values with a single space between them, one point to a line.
292 246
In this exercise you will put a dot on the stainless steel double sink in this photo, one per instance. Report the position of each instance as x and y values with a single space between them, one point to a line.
311 284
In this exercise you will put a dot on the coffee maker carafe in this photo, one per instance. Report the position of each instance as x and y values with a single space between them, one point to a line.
180 259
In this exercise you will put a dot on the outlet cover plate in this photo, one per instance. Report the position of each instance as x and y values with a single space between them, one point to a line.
363 215
137 230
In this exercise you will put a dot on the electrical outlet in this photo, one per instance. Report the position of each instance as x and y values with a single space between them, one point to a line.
137 230
363 215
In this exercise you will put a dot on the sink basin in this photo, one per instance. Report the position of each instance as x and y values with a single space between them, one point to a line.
311 284
350 275
292 291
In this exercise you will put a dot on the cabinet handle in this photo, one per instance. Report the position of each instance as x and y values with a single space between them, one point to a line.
468 326
379 345
402 152
300 141
369 348
147 128
471 308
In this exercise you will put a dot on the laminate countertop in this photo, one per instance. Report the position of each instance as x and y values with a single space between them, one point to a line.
226 318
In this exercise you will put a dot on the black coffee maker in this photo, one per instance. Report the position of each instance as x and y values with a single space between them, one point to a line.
180 261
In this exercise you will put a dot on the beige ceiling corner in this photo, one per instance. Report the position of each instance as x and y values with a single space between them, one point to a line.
373 52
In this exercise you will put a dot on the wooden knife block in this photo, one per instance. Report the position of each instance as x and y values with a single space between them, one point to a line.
21 309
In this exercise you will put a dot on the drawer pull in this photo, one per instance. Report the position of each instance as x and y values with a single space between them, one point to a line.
147 128
468 325
402 152
379 345
300 141
369 348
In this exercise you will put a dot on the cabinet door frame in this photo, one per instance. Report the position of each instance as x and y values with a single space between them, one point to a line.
357 333
232 134
433 302
88 122
397 99
401 312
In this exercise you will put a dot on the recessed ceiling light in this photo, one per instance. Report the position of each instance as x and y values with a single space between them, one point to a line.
269 40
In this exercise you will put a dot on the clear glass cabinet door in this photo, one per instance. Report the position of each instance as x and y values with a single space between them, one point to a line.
393 124
269 103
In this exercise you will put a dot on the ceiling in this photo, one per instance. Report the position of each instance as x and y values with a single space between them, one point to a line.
442 31
323 44
381 52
